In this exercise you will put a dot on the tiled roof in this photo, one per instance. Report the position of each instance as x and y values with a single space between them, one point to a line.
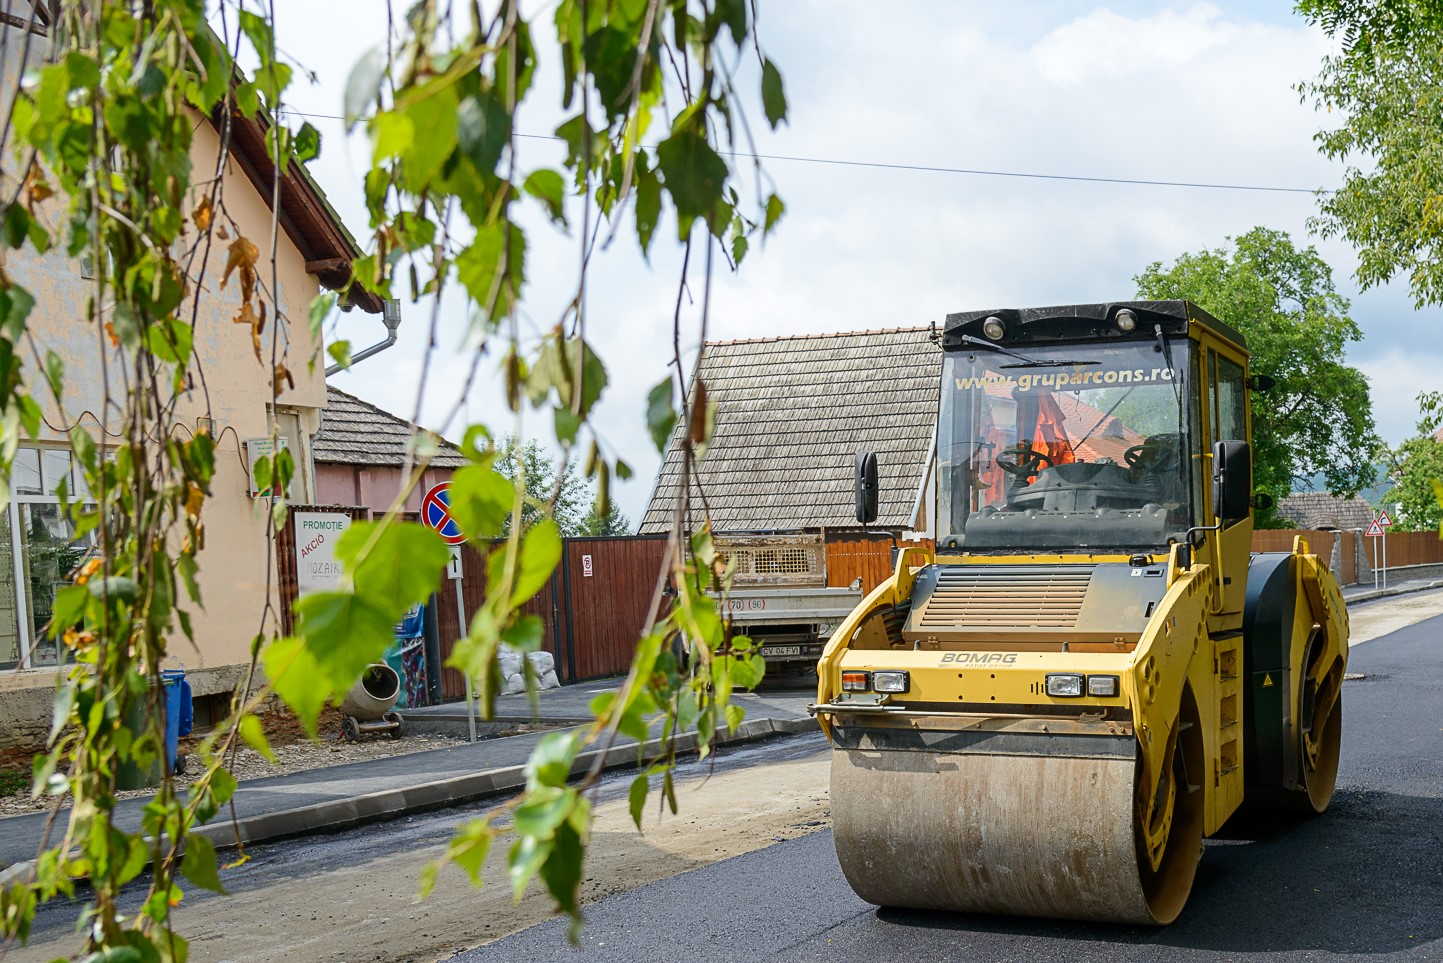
1319 510
791 414
354 432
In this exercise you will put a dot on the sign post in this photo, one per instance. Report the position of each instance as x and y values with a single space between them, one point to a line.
1385 520
1375 530
436 515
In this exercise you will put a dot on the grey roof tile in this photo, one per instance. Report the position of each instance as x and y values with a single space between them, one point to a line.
792 412
1319 510
355 432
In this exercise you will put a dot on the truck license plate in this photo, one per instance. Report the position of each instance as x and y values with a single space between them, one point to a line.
780 650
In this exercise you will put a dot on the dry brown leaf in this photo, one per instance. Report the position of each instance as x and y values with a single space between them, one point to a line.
242 258
110 330
249 317
222 233
203 214
36 188
698 414
194 499
283 374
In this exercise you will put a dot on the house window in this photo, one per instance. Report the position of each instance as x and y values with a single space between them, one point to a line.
39 555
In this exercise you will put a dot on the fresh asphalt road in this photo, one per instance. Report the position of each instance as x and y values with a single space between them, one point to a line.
1362 882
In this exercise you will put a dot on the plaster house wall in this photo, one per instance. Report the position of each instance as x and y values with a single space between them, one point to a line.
371 486
233 562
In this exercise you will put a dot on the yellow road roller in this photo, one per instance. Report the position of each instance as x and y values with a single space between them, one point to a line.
1045 715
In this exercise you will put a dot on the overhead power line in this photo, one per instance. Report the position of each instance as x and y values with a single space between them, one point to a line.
976 172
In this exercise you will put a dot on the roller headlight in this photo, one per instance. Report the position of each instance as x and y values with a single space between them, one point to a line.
1064 685
1126 320
1102 686
855 681
890 681
993 328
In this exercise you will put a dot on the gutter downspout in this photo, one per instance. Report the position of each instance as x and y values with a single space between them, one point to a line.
391 317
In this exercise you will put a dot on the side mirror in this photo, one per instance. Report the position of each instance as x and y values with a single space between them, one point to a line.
1261 382
1232 480
1262 501
864 486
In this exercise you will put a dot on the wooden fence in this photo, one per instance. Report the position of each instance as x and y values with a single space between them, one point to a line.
1408 548
871 558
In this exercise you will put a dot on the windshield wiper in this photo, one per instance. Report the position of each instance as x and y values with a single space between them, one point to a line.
1026 361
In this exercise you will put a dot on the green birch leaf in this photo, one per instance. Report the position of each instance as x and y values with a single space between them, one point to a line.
481 500
648 206
307 143
775 210
540 553
774 99
199 863
483 129
637 797
694 174
364 84
401 568
547 186
660 415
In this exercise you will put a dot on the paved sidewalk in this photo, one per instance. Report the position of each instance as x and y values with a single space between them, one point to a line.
1364 591
339 797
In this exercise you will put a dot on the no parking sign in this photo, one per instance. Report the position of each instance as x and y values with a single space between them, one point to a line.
436 514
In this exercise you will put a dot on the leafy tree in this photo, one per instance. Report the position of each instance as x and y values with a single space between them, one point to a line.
546 496
1386 88
597 525
103 130
1318 418
1417 466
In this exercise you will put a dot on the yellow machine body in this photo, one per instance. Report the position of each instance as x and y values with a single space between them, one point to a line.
978 789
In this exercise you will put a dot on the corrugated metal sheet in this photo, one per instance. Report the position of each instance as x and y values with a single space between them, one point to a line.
791 414
354 432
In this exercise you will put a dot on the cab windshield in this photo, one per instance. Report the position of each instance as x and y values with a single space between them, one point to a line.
1064 447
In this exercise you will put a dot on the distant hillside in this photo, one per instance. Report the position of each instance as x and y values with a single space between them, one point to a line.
1373 494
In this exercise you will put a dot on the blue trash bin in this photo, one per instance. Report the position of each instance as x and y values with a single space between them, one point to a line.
179 713
179 718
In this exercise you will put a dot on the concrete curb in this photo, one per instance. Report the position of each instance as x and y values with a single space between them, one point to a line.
341 814
1361 597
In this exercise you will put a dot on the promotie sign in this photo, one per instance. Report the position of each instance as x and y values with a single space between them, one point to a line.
317 533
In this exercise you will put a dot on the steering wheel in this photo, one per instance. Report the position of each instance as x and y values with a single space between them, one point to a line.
1153 454
1026 460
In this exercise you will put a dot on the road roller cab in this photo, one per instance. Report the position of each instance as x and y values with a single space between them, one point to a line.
1091 673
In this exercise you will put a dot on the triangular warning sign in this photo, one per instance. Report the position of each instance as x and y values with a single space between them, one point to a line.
1374 530
1267 682
1384 519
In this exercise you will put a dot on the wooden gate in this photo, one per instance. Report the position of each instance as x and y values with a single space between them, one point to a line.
591 621
607 586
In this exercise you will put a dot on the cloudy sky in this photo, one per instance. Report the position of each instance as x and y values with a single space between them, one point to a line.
1197 92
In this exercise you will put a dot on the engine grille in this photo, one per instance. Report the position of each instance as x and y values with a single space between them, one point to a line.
1004 595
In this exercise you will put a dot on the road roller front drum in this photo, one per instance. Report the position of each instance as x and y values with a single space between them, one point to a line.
1052 835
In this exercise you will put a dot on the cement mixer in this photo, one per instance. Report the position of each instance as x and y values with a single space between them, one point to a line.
368 705
1091 673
